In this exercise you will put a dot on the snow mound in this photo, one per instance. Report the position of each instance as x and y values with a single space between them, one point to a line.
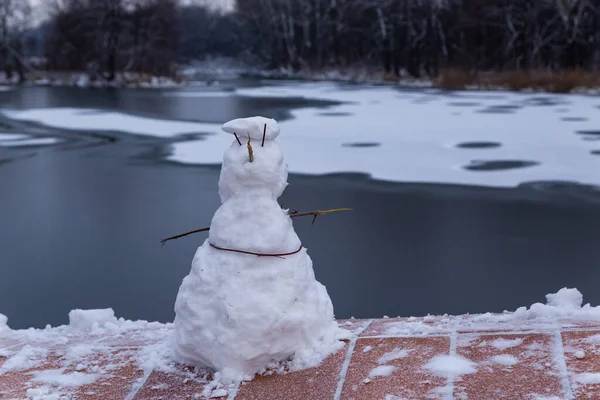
59 378
3 322
253 127
564 303
393 355
451 366
588 378
92 319
382 370
565 299
505 359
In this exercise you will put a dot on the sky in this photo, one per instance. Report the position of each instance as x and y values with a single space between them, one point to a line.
39 13
225 4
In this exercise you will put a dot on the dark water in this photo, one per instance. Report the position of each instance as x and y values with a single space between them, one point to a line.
80 225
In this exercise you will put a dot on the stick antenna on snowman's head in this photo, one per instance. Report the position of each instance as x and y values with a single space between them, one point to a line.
237 138
264 134
250 153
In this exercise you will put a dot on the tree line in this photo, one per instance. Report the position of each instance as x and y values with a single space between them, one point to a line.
420 37
423 36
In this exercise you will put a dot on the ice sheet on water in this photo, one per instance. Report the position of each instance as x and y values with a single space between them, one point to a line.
417 140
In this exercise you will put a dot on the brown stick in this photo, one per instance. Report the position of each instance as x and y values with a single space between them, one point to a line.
250 153
237 138
292 214
264 134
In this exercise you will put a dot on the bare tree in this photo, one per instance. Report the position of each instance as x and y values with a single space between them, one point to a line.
14 20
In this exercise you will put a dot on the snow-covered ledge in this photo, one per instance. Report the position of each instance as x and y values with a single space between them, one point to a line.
549 350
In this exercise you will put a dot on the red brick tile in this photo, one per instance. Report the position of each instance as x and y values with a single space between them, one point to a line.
182 385
490 323
314 383
586 367
117 372
15 383
407 380
535 371
412 326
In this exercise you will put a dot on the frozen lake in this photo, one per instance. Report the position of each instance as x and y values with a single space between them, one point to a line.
464 202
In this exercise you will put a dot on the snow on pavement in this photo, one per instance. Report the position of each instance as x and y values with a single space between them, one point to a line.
451 366
93 333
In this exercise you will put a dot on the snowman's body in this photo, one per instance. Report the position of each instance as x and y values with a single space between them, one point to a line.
237 312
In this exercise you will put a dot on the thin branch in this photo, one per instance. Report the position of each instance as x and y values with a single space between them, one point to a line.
237 138
184 234
292 214
264 134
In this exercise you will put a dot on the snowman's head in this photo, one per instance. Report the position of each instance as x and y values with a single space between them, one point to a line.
254 161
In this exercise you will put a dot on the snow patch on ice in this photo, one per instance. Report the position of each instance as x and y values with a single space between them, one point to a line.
505 359
414 148
503 344
382 370
11 136
395 354
92 119
447 365
29 142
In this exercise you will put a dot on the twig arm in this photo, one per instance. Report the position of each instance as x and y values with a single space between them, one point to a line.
184 234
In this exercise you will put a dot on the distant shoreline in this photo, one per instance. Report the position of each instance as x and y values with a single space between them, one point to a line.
568 81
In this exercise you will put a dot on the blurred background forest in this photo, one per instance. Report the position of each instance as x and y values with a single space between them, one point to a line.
394 38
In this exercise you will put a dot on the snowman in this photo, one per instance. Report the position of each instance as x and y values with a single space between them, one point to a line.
251 298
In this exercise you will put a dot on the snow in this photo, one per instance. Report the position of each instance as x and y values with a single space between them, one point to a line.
505 359
587 378
28 357
564 303
367 349
382 370
566 299
417 133
90 319
29 142
579 354
447 365
254 127
99 120
11 136
393 355
238 313
393 397
3 322
503 344
58 377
